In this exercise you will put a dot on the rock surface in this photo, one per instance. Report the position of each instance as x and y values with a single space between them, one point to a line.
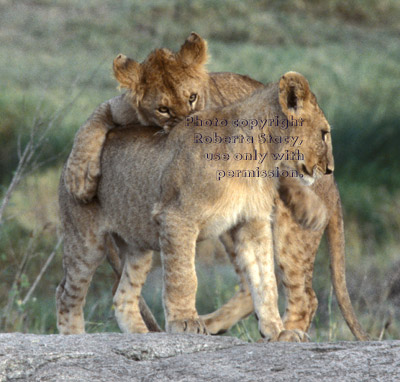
161 357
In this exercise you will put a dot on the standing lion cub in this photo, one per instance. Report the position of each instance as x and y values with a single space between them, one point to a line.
163 90
157 192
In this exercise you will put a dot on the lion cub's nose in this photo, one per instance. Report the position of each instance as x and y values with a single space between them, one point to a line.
329 170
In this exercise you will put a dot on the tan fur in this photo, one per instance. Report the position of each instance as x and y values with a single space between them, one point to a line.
116 256
168 197
295 252
163 80
161 77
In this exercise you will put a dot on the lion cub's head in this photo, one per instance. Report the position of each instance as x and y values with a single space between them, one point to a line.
300 105
167 86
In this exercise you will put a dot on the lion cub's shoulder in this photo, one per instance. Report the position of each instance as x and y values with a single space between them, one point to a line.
226 88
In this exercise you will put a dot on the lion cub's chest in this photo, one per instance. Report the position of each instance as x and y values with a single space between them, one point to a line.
238 204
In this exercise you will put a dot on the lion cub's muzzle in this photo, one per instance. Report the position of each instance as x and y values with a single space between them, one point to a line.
310 175
320 170
328 166
324 167
328 171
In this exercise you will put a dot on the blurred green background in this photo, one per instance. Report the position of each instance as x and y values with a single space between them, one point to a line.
55 68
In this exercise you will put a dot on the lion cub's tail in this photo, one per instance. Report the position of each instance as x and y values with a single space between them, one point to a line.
335 235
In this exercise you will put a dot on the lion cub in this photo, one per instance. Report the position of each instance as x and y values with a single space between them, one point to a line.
163 90
157 192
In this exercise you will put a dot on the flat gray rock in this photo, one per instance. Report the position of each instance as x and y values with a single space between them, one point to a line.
161 357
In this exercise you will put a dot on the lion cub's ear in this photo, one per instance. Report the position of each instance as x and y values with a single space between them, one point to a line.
127 72
295 96
194 51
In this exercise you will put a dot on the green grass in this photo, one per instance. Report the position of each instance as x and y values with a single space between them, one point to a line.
53 52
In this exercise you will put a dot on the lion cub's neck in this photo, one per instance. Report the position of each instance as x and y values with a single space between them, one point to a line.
255 128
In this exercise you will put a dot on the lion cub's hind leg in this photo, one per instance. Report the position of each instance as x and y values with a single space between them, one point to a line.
127 297
82 256
239 306
295 251
116 258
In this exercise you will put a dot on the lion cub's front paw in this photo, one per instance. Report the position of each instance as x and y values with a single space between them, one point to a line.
195 326
294 335
311 215
306 206
81 179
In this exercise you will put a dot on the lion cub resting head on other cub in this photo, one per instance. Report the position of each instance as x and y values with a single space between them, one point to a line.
157 192
161 91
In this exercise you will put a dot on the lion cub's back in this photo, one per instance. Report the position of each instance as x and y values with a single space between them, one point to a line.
133 158
132 163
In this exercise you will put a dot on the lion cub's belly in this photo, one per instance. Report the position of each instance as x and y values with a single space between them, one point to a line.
236 207
136 225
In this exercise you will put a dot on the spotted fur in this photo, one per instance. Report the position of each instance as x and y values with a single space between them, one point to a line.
178 200
298 247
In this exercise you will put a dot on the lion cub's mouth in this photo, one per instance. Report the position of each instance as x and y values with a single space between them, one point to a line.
310 176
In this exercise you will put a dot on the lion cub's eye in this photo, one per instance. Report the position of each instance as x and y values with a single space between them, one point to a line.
325 135
163 109
192 97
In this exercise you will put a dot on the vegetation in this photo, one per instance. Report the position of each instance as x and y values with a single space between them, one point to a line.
55 67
